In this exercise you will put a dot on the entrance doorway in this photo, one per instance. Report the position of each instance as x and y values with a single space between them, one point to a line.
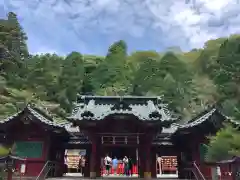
119 152
72 159
166 166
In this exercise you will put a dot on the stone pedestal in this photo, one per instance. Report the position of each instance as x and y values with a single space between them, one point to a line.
147 175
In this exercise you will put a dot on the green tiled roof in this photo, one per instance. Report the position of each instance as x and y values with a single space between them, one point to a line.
140 107
207 116
40 116
199 120
99 107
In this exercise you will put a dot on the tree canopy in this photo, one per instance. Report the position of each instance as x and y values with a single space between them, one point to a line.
224 145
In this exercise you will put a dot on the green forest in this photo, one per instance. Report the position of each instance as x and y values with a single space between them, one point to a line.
189 82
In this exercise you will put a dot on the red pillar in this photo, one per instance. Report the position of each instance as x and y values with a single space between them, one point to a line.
145 156
93 156
153 163
98 157
148 158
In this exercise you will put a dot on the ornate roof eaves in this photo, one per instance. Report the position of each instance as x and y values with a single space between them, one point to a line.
45 120
154 104
34 113
205 117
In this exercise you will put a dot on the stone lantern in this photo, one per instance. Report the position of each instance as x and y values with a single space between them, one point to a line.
9 163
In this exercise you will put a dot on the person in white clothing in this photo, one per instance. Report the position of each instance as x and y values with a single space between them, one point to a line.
107 162
159 161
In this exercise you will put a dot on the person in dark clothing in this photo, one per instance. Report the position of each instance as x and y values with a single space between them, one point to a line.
130 165
65 169
126 167
82 164
65 166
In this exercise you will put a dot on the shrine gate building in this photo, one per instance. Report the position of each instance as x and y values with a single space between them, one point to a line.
142 128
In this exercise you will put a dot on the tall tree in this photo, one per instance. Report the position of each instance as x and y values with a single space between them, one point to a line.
71 79
13 46
146 77
226 74
6 58
44 71
177 80
18 44
112 76
208 56
91 63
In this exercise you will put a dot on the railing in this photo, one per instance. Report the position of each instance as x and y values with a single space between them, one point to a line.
120 139
193 169
198 171
49 167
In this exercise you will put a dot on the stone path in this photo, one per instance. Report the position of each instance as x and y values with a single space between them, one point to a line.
108 178
82 178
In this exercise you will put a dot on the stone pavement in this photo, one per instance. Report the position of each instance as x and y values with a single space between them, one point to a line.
108 178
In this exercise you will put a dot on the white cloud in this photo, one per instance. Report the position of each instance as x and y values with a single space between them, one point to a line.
184 23
216 5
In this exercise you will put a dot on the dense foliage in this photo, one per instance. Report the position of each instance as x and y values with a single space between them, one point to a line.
189 81
224 145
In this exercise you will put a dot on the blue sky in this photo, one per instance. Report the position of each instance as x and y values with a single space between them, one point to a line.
90 26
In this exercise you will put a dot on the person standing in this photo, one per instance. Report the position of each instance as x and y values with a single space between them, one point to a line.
65 166
107 162
159 167
126 165
130 166
219 174
115 165
82 164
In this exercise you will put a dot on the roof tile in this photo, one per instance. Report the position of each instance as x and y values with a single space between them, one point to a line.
141 110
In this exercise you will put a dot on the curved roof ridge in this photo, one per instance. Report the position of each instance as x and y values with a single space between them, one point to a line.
40 116
99 107
123 97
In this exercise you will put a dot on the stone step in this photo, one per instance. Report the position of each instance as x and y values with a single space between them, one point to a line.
108 178
22 178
